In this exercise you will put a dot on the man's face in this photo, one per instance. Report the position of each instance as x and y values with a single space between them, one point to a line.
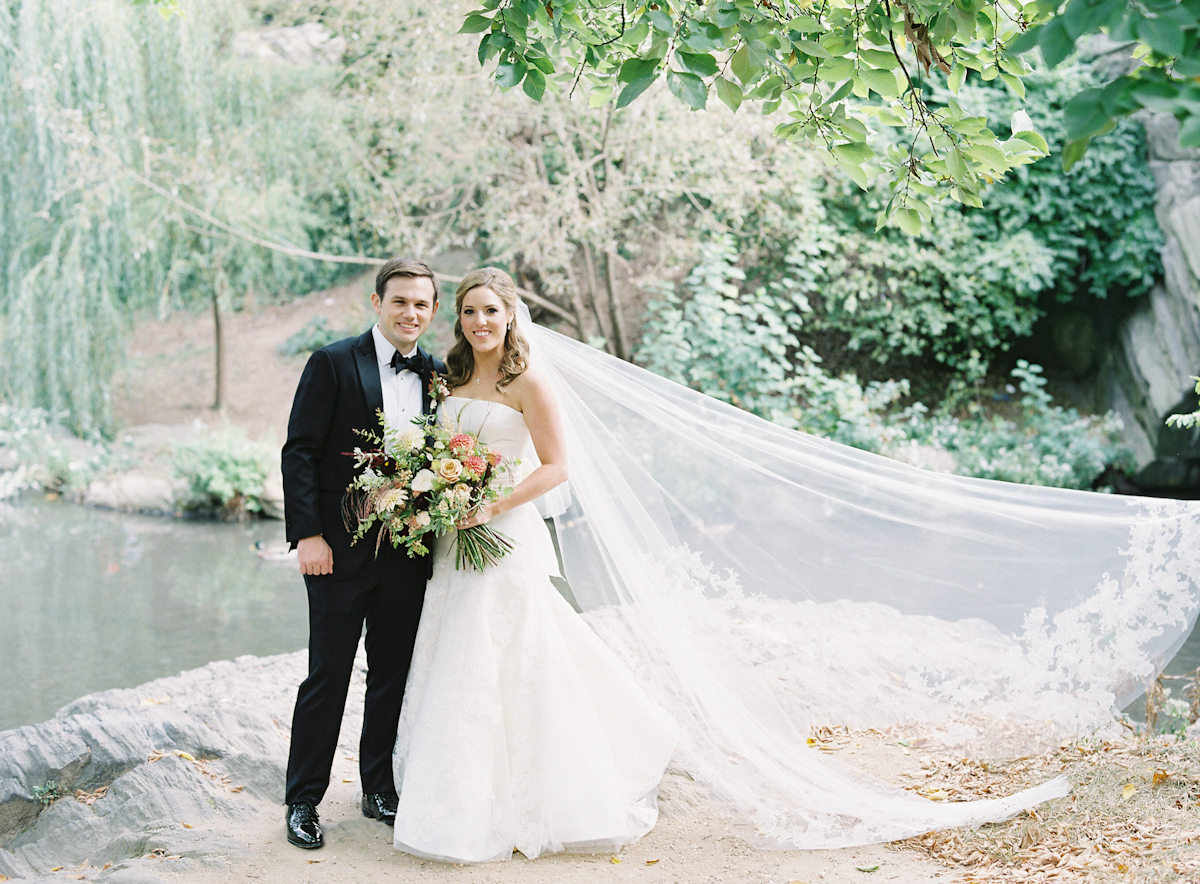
405 310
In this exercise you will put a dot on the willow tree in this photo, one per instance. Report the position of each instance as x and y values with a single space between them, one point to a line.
117 125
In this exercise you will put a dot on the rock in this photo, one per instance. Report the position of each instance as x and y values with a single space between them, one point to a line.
272 496
166 768
137 490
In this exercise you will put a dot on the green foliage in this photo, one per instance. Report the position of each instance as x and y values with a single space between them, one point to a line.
1168 36
743 348
731 345
1047 445
1098 219
47 793
113 120
838 68
315 335
951 296
1186 421
224 473
38 453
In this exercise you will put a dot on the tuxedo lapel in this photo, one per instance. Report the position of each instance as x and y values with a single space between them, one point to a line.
368 373
428 406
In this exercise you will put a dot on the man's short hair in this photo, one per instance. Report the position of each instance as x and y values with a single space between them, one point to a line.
404 267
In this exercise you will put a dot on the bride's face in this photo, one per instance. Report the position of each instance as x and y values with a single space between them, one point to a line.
484 319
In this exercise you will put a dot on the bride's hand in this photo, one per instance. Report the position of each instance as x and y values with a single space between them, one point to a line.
482 515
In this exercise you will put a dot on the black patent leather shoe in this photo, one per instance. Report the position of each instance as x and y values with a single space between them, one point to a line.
381 806
303 826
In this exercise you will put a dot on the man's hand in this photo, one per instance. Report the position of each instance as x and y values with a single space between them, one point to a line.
315 555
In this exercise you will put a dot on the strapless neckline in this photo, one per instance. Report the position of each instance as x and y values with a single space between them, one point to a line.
489 401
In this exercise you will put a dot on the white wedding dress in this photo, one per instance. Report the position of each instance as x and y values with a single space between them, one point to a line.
520 728
760 583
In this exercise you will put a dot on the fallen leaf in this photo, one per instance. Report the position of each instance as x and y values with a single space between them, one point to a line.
867 868
614 860
315 861
651 862
3 877
1160 777
347 781
187 825
57 869
106 866
236 788
1128 790
186 756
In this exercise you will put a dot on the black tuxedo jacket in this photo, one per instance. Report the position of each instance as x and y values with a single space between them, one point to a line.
339 393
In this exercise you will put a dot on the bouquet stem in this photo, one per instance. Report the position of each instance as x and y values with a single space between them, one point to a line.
479 546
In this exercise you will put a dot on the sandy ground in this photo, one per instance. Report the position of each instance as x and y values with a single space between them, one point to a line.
689 844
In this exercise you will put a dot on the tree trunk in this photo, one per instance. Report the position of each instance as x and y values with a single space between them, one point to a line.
219 288
620 340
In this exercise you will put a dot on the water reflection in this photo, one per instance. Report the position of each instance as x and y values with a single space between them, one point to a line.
92 600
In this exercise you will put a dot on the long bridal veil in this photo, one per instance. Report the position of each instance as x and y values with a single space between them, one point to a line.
762 581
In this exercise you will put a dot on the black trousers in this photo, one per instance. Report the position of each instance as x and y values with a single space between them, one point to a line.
387 595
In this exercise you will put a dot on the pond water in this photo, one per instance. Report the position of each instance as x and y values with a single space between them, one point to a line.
92 599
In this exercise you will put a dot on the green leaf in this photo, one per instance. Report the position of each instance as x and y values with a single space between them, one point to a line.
745 65
1085 115
877 58
688 88
1015 84
729 92
541 62
957 75
637 74
700 64
1073 152
475 24
703 37
810 49
634 36
836 69
636 69
1084 16
1056 44
600 96
534 84
661 20
853 152
1163 36
839 93
883 82
509 73
1189 132
727 16
991 158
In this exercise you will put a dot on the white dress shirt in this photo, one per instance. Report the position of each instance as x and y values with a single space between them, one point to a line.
401 390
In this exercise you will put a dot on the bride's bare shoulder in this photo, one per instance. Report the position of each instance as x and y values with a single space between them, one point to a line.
532 389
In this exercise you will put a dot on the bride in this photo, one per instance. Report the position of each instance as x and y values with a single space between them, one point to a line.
754 583
520 729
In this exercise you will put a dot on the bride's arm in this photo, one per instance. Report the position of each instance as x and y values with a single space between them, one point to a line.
540 408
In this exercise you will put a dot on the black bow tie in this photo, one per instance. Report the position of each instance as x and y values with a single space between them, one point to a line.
412 363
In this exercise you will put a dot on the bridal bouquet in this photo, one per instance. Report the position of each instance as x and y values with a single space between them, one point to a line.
424 479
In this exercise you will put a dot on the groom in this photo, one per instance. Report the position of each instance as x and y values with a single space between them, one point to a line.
342 388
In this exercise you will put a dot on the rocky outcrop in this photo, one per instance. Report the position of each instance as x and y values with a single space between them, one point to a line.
1147 373
122 779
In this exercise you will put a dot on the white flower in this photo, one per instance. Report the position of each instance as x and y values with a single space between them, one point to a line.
391 498
423 519
410 440
423 481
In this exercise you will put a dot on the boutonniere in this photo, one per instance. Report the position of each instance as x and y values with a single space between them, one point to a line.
438 391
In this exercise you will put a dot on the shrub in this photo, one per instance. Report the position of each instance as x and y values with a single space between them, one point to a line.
315 335
224 474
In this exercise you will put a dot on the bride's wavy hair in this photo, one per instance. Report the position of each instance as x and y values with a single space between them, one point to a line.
460 361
